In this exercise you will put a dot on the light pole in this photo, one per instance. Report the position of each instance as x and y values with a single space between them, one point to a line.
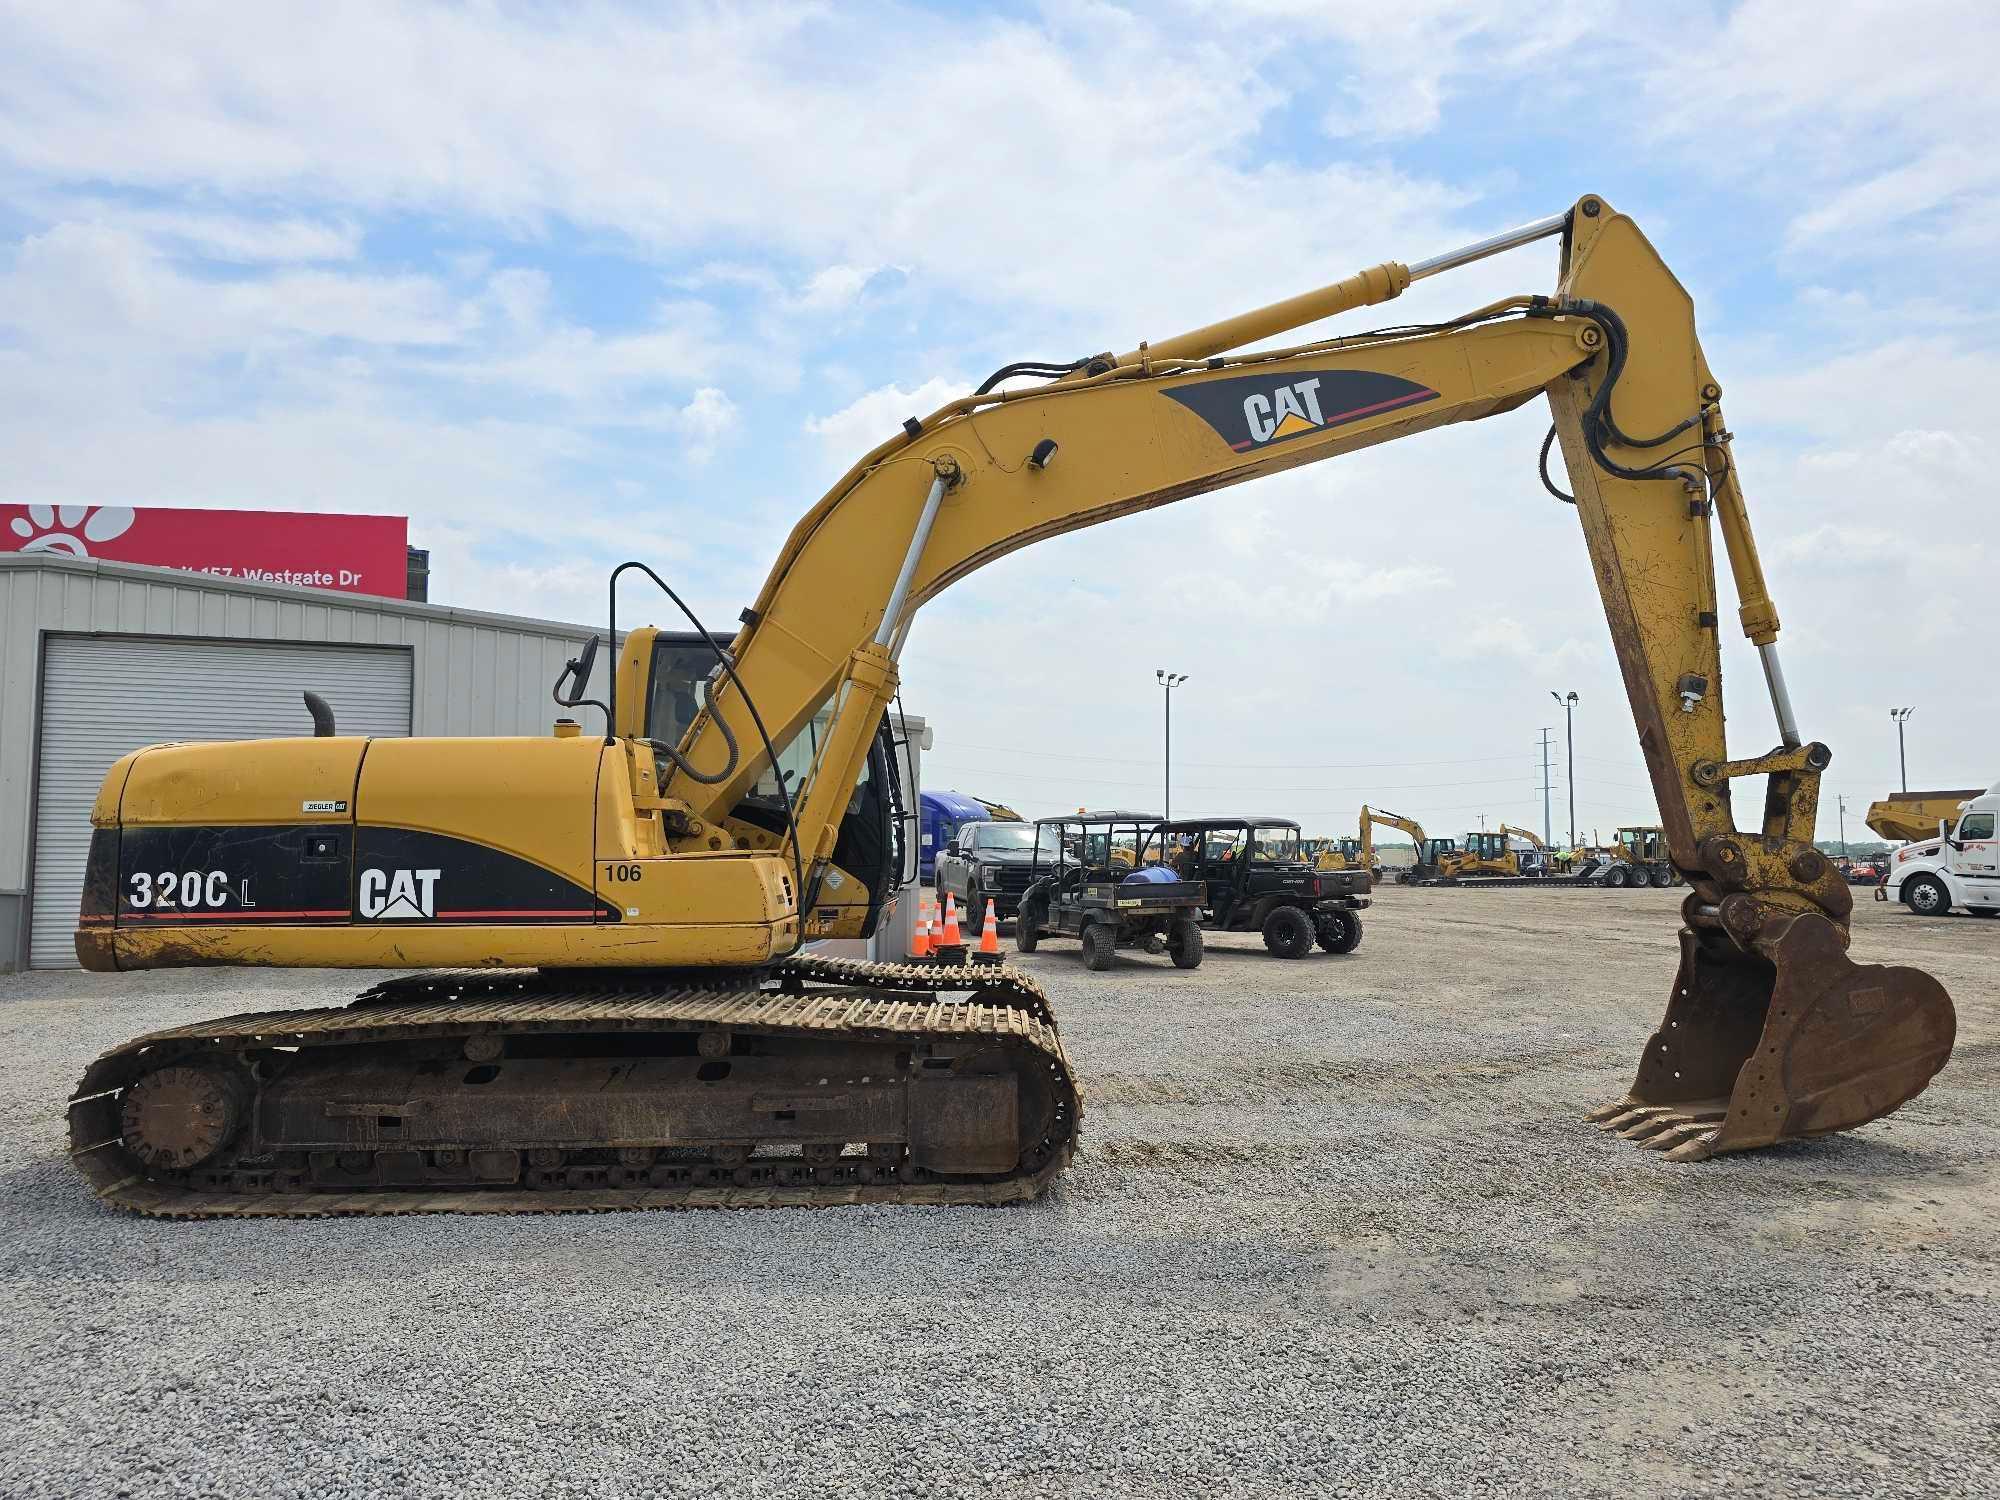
1569 740
1169 681
1902 717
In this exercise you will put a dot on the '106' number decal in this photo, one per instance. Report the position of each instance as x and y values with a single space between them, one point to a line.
196 888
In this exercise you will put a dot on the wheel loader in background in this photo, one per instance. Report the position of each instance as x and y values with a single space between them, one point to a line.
613 1006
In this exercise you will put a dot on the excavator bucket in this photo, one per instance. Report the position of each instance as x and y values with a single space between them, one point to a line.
1792 1040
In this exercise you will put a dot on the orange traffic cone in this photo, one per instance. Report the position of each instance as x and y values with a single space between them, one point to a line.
920 934
988 951
951 938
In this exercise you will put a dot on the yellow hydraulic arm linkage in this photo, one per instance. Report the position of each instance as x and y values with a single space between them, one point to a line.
1770 1032
1370 816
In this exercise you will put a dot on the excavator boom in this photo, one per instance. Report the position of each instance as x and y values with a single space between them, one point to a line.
722 818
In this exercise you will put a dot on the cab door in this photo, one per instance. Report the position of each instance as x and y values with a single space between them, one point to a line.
1976 858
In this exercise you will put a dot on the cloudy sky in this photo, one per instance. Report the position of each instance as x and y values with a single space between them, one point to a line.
571 284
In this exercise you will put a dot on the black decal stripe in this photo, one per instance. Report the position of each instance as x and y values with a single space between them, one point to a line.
1343 396
477 884
1343 417
271 879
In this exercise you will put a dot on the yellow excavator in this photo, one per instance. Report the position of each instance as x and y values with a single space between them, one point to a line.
1429 851
1551 861
612 1005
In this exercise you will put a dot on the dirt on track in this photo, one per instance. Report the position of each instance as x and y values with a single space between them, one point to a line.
1336 1226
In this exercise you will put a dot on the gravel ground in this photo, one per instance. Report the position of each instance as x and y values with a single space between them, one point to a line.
1336 1228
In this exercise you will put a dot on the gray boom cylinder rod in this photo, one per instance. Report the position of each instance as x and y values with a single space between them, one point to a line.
1781 698
892 612
1527 234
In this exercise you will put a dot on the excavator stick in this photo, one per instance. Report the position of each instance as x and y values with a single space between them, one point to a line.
1791 1040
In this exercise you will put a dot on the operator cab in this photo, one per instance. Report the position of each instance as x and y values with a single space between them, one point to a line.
875 841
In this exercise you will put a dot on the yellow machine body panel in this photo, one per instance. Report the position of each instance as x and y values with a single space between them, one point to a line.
343 852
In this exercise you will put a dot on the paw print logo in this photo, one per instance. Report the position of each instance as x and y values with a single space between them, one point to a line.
50 528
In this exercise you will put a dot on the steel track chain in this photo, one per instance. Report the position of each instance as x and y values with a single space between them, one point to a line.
455 1005
994 984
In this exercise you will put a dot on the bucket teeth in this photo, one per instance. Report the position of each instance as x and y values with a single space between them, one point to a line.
1697 1147
1651 1125
1680 1134
1623 1117
1673 1138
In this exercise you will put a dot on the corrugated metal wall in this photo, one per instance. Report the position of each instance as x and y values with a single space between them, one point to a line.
472 673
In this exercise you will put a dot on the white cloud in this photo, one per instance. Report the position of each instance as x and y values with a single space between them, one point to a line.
708 418
240 238
871 418
834 287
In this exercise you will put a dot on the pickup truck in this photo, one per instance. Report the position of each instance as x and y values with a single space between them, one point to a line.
994 860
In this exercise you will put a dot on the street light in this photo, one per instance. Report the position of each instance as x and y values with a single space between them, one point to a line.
1169 681
1902 716
1569 740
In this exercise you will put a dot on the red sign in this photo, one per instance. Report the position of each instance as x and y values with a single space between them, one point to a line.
350 554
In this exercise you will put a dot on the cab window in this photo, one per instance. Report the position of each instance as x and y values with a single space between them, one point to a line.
1975 826
679 688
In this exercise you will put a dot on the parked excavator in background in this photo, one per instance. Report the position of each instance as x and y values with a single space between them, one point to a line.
641 894
1540 859
1428 851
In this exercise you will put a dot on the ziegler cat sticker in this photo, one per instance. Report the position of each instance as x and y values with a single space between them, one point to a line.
398 895
322 807
1249 412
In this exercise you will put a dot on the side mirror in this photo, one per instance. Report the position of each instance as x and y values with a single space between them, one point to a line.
952 847
574 678
575 675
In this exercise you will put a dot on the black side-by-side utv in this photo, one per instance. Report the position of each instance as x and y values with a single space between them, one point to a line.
1095 880
1257 879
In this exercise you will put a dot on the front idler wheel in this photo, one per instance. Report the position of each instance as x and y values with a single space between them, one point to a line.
180 1117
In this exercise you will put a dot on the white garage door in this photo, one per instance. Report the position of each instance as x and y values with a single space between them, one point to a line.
105 695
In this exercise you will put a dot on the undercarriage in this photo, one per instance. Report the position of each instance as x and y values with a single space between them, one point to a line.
820 1082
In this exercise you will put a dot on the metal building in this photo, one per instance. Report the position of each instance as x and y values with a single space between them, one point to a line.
98 658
